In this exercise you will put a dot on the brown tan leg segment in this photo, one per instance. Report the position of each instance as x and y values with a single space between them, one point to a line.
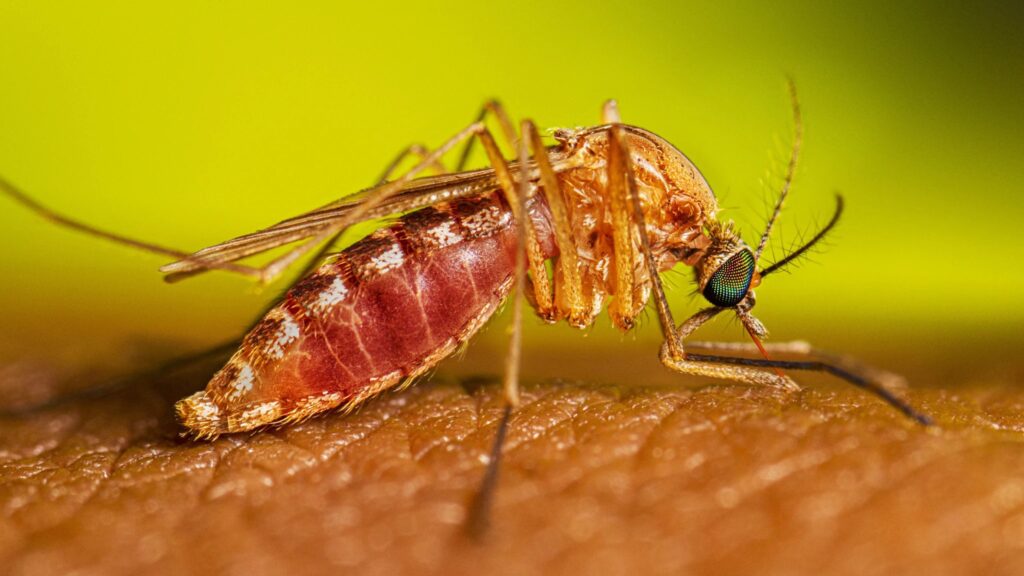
568 285
490 108
418 150
624 306
534 257
882 384
725 371
479 513
802 350
627 212
528 256
680 363
665 320
610 113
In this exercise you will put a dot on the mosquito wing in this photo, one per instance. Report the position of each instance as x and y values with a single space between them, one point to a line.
415 194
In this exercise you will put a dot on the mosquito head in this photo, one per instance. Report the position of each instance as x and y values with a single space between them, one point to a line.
727 270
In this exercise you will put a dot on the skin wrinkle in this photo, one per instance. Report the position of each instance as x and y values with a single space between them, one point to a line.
611 462
384 422
55 443
176 473
536 434
950 514
755 482
905 471
964 533
514 441
722 433
402 426
728 547
644 447
97 485
332 454
418 456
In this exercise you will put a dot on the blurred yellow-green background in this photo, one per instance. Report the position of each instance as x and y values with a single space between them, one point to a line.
186 123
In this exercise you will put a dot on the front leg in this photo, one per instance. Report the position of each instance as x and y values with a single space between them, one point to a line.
803 350
750 370
699 365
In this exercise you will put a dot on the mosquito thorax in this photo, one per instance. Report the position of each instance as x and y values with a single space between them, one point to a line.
676 199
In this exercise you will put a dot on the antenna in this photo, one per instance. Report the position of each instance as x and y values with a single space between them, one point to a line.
798 135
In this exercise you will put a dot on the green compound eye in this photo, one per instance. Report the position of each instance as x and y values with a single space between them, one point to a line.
729 284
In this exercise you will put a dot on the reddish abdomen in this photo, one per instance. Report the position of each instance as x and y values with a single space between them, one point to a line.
382 311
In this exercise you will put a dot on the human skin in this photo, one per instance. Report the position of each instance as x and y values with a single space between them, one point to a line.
626 469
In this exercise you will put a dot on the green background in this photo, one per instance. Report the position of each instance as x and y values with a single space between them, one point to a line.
190 122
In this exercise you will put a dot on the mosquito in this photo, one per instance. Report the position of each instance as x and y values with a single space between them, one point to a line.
608 207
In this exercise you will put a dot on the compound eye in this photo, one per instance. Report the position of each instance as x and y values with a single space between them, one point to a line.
729 284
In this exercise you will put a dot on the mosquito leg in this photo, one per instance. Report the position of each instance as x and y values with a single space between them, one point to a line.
123 382
803 349
417 150
624 306
853 377
25 200
750 370
568 285
792 347
542 287
876 381
478 520
610 113
528 255
627 216
630 228
622 182
491 107
703 366
534 258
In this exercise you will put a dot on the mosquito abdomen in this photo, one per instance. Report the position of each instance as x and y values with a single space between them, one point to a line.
375 315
